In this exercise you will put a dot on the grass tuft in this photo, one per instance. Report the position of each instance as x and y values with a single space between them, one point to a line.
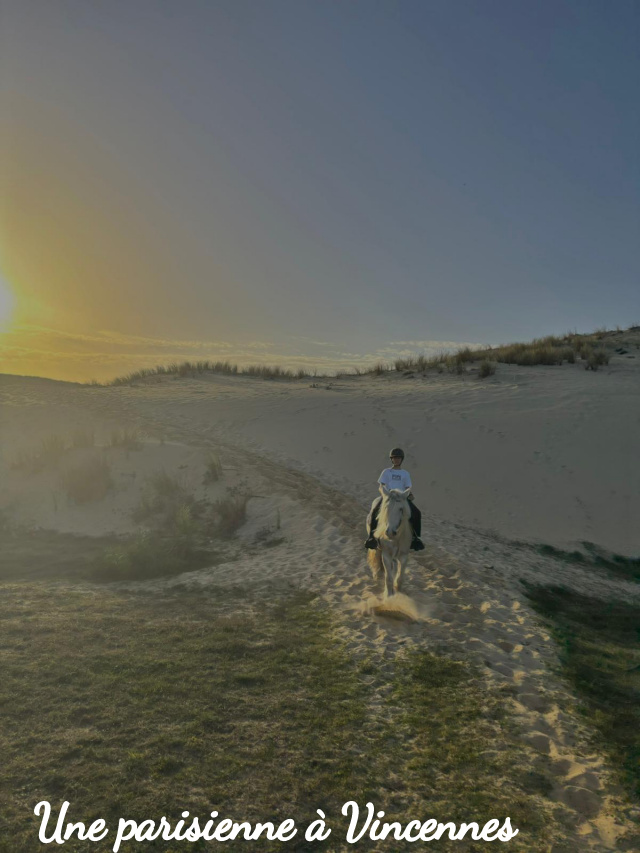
47 455
229 515
486 369
129 439
213 469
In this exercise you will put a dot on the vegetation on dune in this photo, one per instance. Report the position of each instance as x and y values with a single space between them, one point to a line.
617 564
213 469
550 350
45 455
599 643
194 368
148 555
486 369
28 554
129 439
52 449
143 706
169 507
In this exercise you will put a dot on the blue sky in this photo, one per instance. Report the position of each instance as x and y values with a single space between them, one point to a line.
353 175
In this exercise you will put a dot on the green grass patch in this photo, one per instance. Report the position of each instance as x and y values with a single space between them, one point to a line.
465 758
600 654
617 564
140 706
149 555
48 555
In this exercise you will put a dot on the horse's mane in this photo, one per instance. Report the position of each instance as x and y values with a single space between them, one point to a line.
394 496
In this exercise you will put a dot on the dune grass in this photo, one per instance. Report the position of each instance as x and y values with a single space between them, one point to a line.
550 350
127 438
143 706
52 449
486 369
616 564
47 454
191 369
213 469
599 644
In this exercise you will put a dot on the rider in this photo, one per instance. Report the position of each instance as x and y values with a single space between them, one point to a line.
395 478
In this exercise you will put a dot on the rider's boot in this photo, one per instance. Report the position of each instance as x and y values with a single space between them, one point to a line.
371 542
417 543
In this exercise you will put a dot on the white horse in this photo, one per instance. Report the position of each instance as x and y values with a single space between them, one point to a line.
394 538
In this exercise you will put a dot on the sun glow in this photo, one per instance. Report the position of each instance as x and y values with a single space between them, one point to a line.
7 302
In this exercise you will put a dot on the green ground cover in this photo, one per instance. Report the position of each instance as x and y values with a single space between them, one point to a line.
143 705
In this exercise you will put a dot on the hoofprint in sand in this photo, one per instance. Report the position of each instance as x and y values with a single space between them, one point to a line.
463 594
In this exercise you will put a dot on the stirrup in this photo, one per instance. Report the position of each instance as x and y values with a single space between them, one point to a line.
371 543
417 544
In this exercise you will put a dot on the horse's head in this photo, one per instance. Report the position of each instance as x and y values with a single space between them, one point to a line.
394 509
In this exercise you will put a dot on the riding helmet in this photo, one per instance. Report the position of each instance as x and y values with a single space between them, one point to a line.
397 451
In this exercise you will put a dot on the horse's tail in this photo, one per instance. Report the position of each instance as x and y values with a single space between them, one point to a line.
374 559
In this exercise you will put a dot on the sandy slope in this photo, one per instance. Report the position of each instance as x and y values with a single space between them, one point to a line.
545 454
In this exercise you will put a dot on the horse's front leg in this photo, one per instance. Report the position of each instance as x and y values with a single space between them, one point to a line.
398 576
388 574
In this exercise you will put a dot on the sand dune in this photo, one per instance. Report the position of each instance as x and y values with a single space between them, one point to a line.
532 455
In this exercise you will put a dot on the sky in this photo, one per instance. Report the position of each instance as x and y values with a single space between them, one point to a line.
312 182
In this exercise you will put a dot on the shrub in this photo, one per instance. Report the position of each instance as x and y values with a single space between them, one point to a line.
486 369
162 500
184 520
596 358
456 365
149 556
88 481
229 514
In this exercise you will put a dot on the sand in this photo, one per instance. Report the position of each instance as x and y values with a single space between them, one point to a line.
531 455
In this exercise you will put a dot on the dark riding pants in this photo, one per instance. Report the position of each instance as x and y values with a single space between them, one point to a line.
415 520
